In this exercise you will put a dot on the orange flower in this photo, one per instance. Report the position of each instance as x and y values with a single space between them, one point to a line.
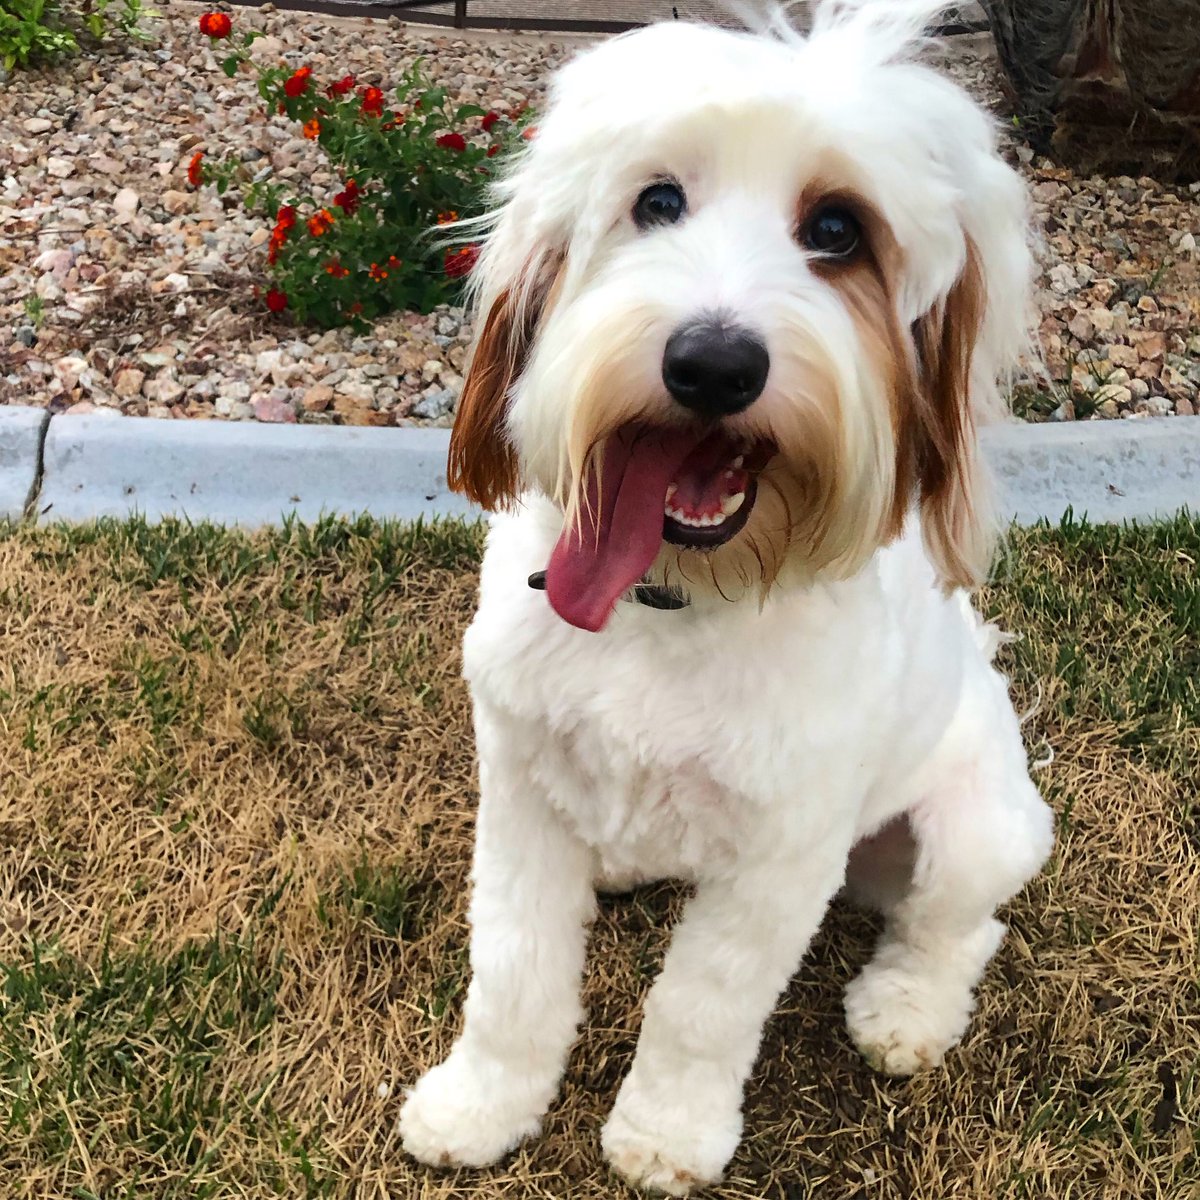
335 268
320 222
377 273
194 172
393 261
529 133
312 129
448 217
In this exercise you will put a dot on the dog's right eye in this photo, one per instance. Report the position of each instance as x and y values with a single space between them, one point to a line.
659 204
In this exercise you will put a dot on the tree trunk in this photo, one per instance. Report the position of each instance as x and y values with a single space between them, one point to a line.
1106 85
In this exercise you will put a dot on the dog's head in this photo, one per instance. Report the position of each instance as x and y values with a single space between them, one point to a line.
744 297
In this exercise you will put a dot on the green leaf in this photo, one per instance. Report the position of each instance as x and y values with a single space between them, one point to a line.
230 65
468 110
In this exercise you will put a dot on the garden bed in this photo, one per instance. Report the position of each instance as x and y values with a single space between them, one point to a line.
121 289
236 791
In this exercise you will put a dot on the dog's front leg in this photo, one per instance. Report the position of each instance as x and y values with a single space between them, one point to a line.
678 1115
530 906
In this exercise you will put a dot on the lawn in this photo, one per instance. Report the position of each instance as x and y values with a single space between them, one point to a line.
236 802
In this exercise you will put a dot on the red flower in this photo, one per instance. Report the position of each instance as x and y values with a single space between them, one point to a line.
296 84
195 172
341 87
458 263
276 300
347 200
452 141
489 119
372 102
529 133
335 268
377 273
448 217
493 151
285 218
215 25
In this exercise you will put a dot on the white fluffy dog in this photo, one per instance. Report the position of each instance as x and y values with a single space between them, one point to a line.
743 300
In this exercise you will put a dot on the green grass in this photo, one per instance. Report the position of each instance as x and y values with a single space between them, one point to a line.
248 757
139 1039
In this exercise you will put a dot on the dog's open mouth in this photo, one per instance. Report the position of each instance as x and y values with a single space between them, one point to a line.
694 488
712 494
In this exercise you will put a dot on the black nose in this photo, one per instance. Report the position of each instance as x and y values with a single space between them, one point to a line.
714 370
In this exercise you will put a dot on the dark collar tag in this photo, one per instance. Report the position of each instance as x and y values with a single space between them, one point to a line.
652 596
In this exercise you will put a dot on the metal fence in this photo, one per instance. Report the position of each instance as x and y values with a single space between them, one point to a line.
567 16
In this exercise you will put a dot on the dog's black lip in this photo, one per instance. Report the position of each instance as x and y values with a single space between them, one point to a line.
709 537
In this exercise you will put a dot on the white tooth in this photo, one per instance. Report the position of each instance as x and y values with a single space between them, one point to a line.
671 490
730 504
737 462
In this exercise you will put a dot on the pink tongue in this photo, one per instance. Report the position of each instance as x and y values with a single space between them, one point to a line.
620 530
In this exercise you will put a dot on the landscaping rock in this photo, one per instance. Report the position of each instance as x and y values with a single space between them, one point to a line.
156 288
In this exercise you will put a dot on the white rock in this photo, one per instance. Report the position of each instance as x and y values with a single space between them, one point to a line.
125 203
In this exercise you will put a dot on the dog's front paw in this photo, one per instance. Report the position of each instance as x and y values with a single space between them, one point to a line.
463 1116
903 1022
671 1148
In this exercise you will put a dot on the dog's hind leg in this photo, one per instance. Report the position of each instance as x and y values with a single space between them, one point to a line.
978 833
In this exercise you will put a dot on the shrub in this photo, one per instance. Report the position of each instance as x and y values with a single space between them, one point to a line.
36 30
409 161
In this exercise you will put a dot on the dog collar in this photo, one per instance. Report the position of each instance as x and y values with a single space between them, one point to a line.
649 594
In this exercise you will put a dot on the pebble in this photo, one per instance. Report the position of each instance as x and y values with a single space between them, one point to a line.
148 287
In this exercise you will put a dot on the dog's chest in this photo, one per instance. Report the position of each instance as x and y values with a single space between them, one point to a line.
667 744
646 818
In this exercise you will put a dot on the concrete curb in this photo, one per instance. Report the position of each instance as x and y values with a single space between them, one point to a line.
236 473
1108 471
251 475
21 433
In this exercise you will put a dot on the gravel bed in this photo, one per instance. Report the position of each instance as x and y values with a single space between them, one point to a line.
121 290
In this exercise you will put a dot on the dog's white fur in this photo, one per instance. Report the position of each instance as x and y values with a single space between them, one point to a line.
837 705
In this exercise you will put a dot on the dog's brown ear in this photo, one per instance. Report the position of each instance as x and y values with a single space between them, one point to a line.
483 462
957 527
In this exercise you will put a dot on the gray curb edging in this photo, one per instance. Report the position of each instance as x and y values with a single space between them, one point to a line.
21 434
1105 470
251 475
235 473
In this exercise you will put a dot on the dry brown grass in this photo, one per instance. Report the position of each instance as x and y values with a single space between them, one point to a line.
235 816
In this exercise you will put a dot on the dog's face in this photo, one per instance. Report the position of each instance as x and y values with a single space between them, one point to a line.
742 301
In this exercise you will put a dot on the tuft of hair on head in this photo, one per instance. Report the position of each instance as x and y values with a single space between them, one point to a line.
883 30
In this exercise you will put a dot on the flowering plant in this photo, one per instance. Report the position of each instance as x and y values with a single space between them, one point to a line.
409 160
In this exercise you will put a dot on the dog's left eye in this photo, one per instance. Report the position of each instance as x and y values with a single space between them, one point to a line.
833 231
659 204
